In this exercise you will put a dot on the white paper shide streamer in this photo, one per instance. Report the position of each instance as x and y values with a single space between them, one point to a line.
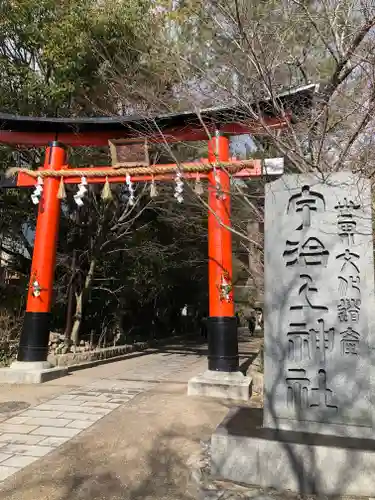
219 192
82 190
179 188
153 189
130 186
38 191
36 288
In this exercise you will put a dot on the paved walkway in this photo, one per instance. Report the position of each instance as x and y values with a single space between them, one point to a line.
123 430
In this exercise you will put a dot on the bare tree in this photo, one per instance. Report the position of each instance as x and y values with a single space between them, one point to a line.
264 49
102 227
246 54
253 52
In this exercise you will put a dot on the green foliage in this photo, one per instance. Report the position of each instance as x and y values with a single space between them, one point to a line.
86 57
51 53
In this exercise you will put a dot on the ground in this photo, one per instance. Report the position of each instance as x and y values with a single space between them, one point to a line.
123 430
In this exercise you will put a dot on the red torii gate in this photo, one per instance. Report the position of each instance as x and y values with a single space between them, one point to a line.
56 133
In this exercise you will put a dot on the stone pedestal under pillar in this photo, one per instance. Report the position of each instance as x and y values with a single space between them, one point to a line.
31 372
225 385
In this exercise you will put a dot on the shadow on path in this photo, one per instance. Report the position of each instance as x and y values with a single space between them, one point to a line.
143 452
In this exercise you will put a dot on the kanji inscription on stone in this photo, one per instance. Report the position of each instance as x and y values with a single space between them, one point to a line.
304 203
349 341
306 291
322 395
349 261
297 388
349 310
305 343
346 219
350 285
310 252
319 304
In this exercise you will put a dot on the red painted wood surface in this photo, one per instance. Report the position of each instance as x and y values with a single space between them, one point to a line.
47 229
185 134
219 237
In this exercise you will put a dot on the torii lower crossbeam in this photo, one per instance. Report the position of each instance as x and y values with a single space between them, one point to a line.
96 175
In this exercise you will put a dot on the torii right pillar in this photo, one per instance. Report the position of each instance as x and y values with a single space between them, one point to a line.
223 379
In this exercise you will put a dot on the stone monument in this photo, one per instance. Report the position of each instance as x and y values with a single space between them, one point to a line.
318 433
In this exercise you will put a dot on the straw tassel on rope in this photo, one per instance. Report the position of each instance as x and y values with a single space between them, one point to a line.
107 193
61 193
153 189
198 188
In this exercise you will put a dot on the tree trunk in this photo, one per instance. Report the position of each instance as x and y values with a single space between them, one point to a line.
80 302
71 300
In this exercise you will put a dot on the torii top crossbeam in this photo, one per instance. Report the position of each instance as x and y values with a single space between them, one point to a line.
190 126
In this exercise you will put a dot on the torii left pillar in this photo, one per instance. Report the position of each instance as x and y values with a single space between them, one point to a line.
223 378
31 365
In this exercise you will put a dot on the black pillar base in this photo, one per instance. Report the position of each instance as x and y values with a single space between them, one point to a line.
34 337
222 344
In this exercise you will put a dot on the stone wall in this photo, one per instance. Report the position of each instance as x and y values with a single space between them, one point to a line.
76 358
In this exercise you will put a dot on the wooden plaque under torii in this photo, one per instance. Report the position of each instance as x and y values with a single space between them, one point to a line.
125 153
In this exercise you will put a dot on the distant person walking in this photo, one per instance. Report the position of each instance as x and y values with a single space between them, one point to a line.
184 319
238 320
252 321
204 332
